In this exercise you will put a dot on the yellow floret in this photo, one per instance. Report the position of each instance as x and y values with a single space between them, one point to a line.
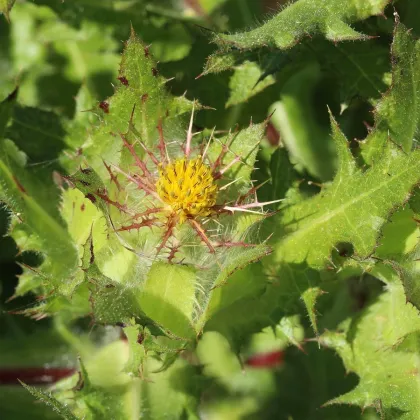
188 187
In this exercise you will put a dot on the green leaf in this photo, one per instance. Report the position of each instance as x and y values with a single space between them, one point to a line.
247 81
161 25
171 394
307 140
104 388
117 296
290 329
402 99
282 174
354 215
331 18
6 111
170 41
49 400
245 144
240 316
350 212
360 67
399 236
79 127
168 297
408 268
137 351
399 251
236 281
47 52
112 301
6 7
141 91
371 345
83 219
44 129
219 361
310 297
217 63
32 195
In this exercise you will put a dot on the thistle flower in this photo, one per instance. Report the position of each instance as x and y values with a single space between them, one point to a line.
187 187
181 188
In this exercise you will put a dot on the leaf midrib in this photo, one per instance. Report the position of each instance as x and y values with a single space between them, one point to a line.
312 224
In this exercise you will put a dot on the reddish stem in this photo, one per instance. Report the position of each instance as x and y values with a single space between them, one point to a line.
202 234
34 375
266 360
133 153
161 146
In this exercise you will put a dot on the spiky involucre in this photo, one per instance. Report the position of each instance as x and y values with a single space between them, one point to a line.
181 188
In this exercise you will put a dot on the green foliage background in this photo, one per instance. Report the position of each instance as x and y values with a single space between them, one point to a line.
334 290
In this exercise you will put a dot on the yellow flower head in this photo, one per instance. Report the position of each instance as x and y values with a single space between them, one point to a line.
187 187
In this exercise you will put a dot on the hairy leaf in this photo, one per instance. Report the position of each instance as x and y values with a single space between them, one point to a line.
349 213
137 352
399 252
48 399
402 99
282 174
360 67
140 94
351 209
331 18
168 297
306 138
32 195
372 346
246 82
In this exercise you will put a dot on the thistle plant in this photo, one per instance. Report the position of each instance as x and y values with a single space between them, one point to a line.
226 226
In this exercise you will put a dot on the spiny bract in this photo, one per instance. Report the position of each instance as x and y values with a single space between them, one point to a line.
184 189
